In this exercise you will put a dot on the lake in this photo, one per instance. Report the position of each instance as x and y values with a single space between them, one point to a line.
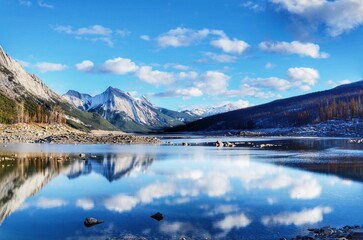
201 190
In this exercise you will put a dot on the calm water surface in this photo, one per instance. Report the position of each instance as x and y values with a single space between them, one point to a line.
203 191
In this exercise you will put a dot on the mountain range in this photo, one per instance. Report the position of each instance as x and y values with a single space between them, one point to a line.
25 98
344 102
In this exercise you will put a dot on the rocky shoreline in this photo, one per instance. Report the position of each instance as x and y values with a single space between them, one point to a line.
62 134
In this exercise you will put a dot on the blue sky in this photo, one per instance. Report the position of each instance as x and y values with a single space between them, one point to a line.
191 53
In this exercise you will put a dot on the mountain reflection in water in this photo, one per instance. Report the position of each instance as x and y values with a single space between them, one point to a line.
24 175
202 191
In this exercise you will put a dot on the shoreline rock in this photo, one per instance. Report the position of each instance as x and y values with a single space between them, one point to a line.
62 134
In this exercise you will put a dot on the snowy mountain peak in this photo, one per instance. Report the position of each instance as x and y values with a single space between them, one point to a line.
210 111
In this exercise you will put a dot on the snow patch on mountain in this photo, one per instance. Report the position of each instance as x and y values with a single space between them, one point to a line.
210 111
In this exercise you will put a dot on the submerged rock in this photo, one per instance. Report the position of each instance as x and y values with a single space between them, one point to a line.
90 221
157 216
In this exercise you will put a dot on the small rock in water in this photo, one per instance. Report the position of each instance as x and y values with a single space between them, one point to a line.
157 216
89 222
219 143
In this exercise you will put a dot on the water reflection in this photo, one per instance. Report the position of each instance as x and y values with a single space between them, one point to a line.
201 191
24 175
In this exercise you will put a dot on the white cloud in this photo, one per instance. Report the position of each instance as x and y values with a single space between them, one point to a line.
221 58
270 82
45 203
233 221
303 78
119 66
338 16
306 216
85 203
213 82
335 84
44 5
50 67
93 33
85 66
155 77
181 37
145 38
230 46
299 6
121 203
188 75
90 30
176 66
185 92
295 47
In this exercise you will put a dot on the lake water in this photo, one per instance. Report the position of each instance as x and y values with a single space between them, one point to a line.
202 191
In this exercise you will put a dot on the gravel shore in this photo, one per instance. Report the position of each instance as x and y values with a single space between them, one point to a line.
62 134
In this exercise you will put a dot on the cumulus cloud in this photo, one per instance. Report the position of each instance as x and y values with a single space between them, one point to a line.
213 82
155 77
295 47
121 203
119 66
306 216
45 203
85 66
50 67
301 78
85 203
181 37
338 16
230 46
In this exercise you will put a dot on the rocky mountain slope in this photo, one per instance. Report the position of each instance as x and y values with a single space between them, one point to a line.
342 103
25 98
126 112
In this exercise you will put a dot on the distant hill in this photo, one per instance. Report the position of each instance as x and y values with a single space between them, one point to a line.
126 112
25 98
342 103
